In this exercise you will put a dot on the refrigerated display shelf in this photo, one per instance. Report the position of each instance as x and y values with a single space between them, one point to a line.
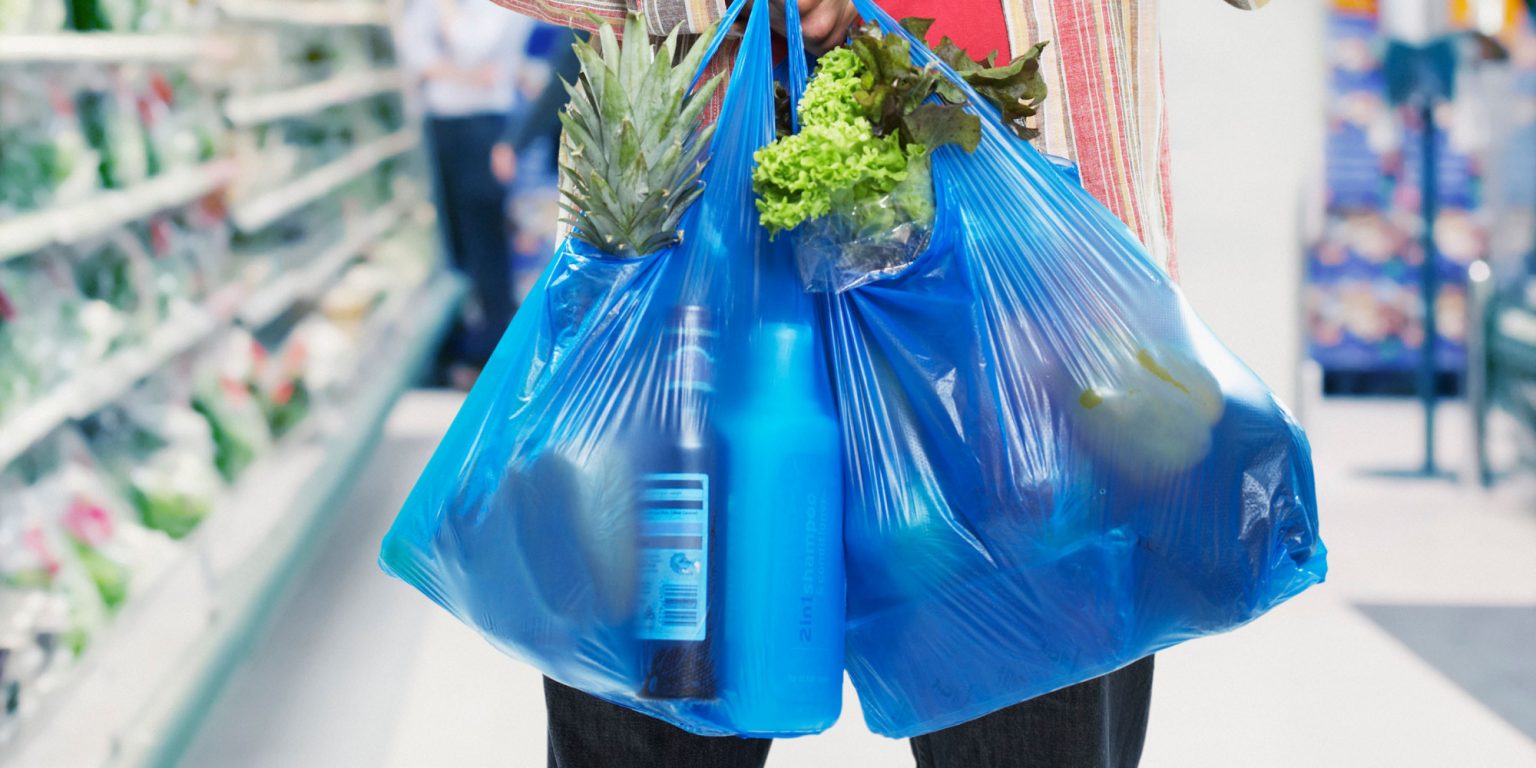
103 383
248 594
320 13
170 607
103 47
268 207
308 282
311 97
104 211
136 695
148 678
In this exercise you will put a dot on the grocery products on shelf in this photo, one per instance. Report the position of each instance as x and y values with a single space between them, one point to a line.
146 16
212 225
163 458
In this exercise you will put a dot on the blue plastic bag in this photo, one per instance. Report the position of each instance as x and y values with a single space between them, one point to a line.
642 495
1054 469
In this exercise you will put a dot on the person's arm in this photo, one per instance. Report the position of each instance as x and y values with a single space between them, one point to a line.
543 115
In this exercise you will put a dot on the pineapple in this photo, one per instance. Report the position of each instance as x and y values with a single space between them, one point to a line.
633 142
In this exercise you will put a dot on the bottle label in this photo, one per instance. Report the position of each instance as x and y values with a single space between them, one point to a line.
693 369
674 556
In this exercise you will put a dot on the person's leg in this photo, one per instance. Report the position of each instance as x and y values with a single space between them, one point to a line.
472 209
1101 723
446 133
487 240
587 732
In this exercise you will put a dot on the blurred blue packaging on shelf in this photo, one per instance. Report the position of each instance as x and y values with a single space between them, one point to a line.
642 495
1054 467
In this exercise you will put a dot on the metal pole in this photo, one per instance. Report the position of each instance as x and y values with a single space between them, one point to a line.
1479 363
1429 279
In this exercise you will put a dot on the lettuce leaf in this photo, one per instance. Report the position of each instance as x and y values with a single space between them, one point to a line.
1017 88
869 119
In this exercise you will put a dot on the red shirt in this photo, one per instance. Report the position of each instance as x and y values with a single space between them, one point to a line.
978 27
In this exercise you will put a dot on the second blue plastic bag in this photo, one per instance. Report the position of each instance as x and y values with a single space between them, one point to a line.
1054 469
642 495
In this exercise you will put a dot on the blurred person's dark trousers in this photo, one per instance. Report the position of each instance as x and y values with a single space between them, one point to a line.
1101 723
470 207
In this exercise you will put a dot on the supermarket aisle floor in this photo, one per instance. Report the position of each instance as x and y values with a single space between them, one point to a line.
1364 671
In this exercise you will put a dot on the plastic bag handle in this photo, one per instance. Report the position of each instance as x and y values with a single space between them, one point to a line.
798 74
727 21
745 123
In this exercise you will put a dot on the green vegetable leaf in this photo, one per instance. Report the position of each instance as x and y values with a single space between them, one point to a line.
782 108
917 26
935 125
956 57
868 121
913 197
1016 89
895 86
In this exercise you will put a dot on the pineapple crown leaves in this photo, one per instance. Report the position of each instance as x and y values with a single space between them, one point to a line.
634 145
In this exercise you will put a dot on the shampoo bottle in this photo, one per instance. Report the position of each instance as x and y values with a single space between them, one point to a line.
783 638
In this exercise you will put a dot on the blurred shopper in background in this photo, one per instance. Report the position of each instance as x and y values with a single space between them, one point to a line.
466 54
526 160
540 118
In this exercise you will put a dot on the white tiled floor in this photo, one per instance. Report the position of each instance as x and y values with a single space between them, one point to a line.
1316 682
362 671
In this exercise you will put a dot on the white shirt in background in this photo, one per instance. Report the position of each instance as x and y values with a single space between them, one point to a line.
472 34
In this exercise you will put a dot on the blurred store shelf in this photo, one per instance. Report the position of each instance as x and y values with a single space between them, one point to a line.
132 696
308 12
100 47
99 385
268 207
140 692
1518 323
104 211
312 97
306 283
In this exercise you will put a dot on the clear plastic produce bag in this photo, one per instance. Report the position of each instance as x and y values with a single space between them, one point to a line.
1054 468
642 495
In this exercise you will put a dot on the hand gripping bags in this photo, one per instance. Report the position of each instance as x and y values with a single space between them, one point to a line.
1053 467
642 495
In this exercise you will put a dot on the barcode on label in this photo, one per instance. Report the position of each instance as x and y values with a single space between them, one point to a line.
679 605
674 552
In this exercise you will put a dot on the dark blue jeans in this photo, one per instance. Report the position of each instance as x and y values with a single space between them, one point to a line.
474 229
1101 723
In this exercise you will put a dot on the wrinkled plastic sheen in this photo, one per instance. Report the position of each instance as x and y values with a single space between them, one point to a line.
1054 468
524 523
1051 467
